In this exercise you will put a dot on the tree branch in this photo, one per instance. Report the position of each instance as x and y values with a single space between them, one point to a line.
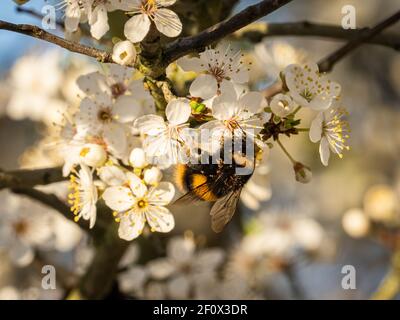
256 33
51 201
30 178
326 64
186 45
39 33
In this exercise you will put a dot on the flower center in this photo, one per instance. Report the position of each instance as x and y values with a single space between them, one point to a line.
149 7
336 130
118 89
142 204
231 124
20 227
306 94
105 115
218 73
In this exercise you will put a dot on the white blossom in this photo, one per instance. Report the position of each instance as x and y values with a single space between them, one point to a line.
309 88
83 196
219 69
332 131
167 143
135 204
282 105
147 11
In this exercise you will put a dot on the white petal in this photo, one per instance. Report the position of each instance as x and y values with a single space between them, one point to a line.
131 225
136 184
204 86
168 22
191 64
119 199
112 175
178 111
137 27
160 219
150 124
72 18
126 109
92 84
165 3
224 109
251 101
162 194
100 26
242 76
115 137
324 151
316 128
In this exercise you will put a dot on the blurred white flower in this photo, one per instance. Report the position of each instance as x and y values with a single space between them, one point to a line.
183 266
135 204
220 69
332 131
23 227
124 53
83 197
282 105
166 143
147 11
75 13
276 55
35 81
309 88
355 223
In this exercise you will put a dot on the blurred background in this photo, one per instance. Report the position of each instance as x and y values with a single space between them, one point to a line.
288 240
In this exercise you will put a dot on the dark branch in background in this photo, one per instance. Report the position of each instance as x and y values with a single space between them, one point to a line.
51 201
199 42
306 29
30 178
38 33
326 64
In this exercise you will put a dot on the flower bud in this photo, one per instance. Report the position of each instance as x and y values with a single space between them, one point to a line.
303 173
124 53
282 105
137 158
355 223
152 176
93 155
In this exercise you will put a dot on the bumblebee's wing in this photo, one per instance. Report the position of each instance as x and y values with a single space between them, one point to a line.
223 210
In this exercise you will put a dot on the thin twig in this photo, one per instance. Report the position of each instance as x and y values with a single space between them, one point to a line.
39 33
326 64
183 46
257 32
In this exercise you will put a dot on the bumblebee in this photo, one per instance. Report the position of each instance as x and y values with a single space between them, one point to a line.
218 181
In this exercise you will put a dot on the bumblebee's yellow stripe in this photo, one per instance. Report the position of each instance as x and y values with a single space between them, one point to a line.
180 177
201 188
